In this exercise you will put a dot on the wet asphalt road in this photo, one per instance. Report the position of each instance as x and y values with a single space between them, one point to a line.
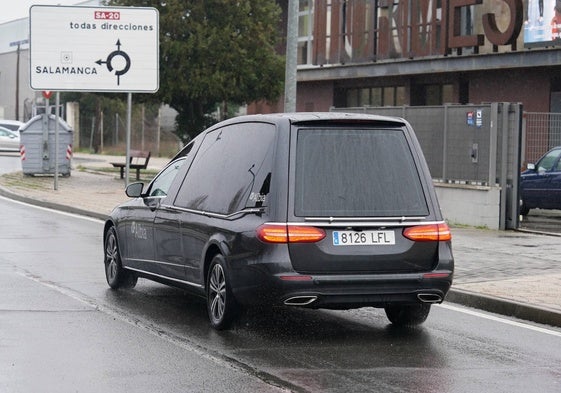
60 323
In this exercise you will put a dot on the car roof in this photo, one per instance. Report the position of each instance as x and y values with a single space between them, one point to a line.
315 116
11 122
305 117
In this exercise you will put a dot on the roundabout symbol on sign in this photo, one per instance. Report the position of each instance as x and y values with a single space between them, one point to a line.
112 56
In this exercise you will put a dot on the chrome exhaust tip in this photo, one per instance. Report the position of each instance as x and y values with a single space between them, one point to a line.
429 298
300 300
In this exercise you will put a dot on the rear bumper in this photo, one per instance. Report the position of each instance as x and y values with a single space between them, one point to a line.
345 291
348 301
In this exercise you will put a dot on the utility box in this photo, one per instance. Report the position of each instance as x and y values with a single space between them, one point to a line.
37 140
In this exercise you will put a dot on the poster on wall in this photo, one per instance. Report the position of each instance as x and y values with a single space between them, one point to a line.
542 23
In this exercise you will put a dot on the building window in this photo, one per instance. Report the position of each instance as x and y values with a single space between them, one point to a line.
305 31
400 97
352 98
389 96
376 96
364 95
447 94
433 94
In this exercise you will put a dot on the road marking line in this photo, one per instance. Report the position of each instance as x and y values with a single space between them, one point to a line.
502 320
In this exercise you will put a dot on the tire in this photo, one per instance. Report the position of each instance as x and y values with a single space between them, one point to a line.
408 315
222 308
116 276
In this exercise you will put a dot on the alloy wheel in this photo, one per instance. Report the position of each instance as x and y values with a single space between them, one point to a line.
217 293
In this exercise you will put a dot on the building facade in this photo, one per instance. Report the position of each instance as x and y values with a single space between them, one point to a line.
428 52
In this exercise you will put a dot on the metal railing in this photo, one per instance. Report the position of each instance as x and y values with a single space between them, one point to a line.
542 132
469 145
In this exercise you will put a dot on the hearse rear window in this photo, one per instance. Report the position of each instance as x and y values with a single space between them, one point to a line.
356 173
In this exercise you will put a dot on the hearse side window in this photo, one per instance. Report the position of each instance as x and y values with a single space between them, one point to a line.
160 186
230 170
356 172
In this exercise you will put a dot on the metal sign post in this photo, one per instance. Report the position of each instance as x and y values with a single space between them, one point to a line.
45 139
128 148
57 104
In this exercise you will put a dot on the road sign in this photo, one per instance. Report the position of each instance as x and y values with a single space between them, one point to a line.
97 49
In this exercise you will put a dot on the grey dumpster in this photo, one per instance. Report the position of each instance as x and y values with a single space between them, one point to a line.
37 139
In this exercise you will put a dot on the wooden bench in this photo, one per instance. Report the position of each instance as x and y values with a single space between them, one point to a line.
138 160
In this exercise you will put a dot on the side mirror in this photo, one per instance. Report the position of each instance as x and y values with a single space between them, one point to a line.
531 167
134 190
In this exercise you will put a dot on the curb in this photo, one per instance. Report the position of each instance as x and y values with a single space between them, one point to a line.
506 307
51 205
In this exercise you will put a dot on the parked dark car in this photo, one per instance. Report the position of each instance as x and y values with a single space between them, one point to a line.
540 184
318 210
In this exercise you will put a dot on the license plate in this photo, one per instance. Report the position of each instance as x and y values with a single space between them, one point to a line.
363 238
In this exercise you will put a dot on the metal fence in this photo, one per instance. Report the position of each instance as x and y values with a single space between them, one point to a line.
542 132
465 144
472 145
106 132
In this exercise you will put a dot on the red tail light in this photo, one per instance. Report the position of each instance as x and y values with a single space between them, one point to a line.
428 233
271 233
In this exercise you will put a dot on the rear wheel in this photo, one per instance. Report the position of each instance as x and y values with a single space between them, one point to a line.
221 306
408 315
116 276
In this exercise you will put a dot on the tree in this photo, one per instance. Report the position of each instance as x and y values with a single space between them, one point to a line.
214 52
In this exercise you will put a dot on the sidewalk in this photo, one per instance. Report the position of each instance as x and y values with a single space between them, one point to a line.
506 272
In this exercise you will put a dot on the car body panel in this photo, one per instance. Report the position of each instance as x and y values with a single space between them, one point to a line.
168 246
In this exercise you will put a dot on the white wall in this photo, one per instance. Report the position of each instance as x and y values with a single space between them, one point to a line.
476 206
